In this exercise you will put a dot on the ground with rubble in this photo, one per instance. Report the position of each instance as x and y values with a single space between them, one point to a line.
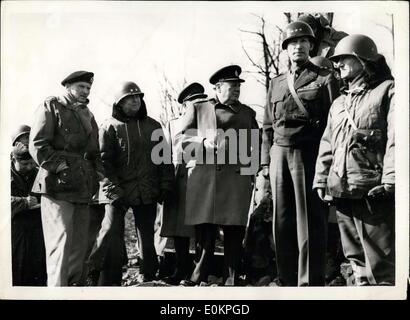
130 272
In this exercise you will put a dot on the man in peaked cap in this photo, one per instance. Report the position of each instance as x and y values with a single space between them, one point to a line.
295 117
64 143
173 222
191 92
218 194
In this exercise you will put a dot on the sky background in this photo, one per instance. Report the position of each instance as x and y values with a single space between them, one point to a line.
42 42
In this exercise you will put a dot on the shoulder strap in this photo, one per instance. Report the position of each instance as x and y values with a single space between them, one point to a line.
348 115
295 96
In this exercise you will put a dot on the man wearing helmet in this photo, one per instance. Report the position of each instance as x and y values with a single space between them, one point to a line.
133 181
295 117
355 165
326 37
64 143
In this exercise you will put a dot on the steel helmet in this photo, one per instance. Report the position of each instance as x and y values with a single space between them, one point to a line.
357 45
21 130
322 62
127 89
295 30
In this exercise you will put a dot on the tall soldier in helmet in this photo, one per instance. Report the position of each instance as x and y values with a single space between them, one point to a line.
295 117
133 181
355 165
326 37
64 143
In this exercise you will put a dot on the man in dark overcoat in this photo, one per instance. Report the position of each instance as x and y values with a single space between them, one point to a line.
219 192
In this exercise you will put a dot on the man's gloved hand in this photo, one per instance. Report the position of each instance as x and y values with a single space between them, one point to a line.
32 202
265 171
382 191
209 144
61 167
323 196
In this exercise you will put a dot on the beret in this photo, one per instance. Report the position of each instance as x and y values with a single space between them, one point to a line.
79 76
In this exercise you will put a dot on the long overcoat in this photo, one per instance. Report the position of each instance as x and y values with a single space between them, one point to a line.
173 218
218 192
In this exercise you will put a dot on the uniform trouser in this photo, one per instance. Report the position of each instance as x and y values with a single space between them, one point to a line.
183 262
65 227
367 233
205 235
97 240
97 213
299 217
110 251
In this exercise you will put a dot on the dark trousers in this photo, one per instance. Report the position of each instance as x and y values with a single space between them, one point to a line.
205 235
109 252
299 217
367 233
28 250
183 261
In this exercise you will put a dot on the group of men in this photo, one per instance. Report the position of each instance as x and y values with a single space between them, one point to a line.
320 145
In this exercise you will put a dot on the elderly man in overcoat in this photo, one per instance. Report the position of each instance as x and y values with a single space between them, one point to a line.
219 192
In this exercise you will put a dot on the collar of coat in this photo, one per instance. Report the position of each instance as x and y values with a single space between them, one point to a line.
308 73
234 106
70 103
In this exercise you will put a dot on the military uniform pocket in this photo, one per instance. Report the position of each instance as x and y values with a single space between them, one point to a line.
277 104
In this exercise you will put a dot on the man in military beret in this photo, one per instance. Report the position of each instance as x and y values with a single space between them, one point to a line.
173 222
64 143
218 194
295 116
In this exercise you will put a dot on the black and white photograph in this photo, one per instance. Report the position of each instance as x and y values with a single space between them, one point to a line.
204 150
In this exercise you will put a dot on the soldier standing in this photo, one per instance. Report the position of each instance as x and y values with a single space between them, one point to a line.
355 165
64 143
326 37
295 117
133 181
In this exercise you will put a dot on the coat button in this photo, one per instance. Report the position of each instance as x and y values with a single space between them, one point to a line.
218 168
238 170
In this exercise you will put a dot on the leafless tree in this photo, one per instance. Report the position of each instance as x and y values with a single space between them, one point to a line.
389 28
170 108
266 61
